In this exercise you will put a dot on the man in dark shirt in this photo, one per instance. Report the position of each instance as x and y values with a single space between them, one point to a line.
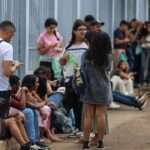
120 39
93 26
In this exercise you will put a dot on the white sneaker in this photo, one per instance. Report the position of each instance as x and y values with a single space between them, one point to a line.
61 90
114 105
36 147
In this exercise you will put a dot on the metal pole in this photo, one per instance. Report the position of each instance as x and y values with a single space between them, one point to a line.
97 9
78 8
56 9
27 38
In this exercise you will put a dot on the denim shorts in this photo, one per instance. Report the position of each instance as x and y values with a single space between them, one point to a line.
57 98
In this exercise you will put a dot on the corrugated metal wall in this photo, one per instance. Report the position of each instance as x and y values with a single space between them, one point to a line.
15 11
29 17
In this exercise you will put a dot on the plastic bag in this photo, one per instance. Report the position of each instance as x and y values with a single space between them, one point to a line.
57 69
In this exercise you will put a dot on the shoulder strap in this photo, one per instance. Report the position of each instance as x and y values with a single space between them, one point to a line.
1 41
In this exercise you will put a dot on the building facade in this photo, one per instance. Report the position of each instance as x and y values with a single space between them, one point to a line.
29 17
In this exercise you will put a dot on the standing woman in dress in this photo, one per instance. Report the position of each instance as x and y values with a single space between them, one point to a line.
97 93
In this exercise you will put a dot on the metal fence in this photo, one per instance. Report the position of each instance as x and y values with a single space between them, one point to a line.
29 17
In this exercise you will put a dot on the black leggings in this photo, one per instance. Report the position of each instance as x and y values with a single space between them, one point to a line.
72 101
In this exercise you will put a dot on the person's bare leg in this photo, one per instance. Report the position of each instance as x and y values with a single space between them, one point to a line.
19 121
89 111
100 122
94 139
52 137
14 130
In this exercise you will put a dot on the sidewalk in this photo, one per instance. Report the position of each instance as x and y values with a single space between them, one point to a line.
129 130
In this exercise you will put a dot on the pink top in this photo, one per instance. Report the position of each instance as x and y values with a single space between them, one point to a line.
45 39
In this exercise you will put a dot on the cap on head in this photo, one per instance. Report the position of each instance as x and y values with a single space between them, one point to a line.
89 18
95 22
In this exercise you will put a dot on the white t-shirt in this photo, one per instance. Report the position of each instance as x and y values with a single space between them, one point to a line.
6 54
77 50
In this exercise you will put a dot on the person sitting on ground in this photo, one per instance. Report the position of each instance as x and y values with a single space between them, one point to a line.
17 99
132 101
55 101
123 79
12 127
35 102
18 106
43 91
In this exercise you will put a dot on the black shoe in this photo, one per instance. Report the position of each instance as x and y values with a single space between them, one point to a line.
100 145
25 146
86 145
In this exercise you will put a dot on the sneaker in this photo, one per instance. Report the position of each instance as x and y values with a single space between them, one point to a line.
74 134
36 147
144 97
61 90
142 105
86 145
40 144
100 145
26 146
114 105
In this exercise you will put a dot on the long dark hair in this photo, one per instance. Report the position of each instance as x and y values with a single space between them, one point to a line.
29 81
41 73
99 48
49 22
75 27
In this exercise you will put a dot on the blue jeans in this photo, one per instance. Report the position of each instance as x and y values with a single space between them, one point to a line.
31 124
124 99
57 98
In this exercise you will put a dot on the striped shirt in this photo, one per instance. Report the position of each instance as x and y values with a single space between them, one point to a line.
77 50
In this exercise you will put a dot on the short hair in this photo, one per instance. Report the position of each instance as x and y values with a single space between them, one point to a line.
50 21
124 22
89 18
5 24
14 80
133 20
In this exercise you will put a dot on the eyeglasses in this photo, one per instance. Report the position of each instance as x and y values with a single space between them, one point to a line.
82 29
